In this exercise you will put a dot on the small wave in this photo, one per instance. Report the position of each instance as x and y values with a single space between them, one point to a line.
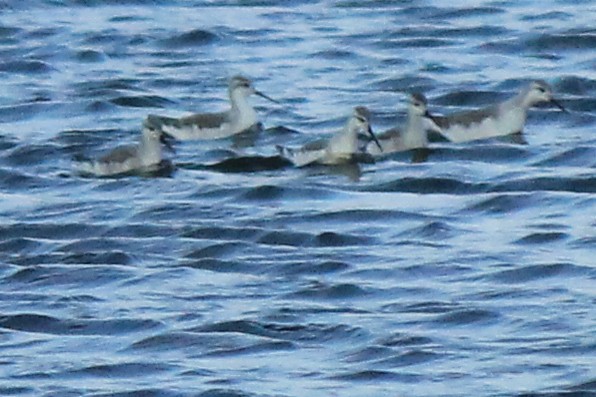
473 31
562 184
509 151
401 340
417 43
196 37
502 204
128 18
264 192
39 323
250 164
435 230
33 154
332 239
547 16
172 341
100 107
585 386
242 326
19 245
466 317
89 258
377 376
543 238
174 212
308 268
295 332
430 307
224 233
122 370
104 87
369 353
16 390
463 12
562 42
52 274
256 348
94 244
224 393
334 54
434 185
362 215
584 242
141 101
287 238
585 106
104 37
27 111
7 142
26 67
414 357
405 84
222 266
537 272
219 250
330 291
8 31
506 46
576 85
99 3
90 56
132 230
12 180
575 157
141 392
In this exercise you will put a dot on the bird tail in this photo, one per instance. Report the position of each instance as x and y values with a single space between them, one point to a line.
82 165
299 157
158 122
286 152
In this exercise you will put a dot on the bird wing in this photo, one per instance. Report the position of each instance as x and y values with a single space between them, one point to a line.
119 155
307 154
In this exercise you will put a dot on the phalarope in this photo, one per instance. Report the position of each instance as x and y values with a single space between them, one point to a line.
340 148
504 118
411 136
239 118
142 156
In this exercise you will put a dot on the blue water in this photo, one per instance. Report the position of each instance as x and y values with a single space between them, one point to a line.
472 273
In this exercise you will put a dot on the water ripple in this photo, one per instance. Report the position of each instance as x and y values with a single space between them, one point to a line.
39 323
195 37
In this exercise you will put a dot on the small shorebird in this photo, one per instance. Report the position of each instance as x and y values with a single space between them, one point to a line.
239 118
340 148
412 136
504 118
144 156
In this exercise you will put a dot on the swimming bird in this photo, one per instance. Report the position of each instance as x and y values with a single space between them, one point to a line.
340 148
240 117
411 136
144 156
504 118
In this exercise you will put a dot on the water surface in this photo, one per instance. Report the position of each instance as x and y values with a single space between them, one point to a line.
471 273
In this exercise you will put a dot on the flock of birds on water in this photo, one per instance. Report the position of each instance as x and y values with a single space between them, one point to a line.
500 119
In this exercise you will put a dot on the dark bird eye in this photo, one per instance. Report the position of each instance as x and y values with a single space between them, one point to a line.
542 90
